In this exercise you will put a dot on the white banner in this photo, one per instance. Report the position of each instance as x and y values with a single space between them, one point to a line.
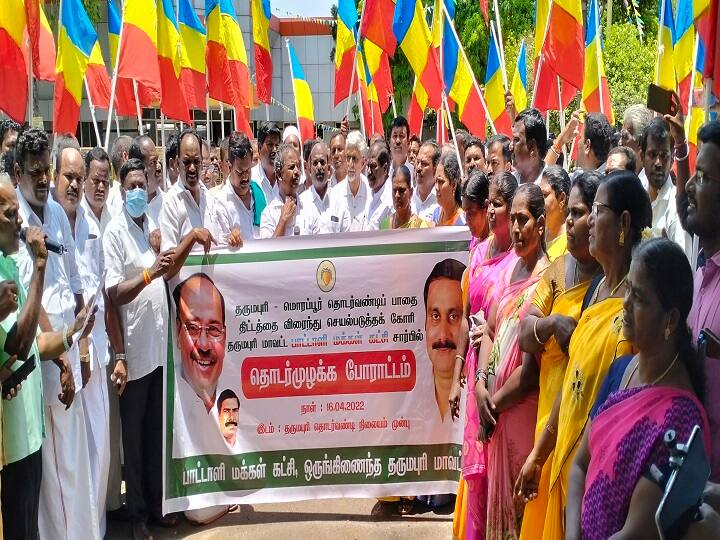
314 367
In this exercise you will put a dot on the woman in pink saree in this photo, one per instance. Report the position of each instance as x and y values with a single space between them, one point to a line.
619 473
485 273
506 382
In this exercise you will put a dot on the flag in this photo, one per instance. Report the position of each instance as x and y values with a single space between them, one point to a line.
545 95
416 110
263 58
484 10
97 79
194 42
495 90
377 24
227 65
13 69
139 47
413 36
665 66
450 46
42 42
345 49
696 118
76 40
372 116
124 94
461 86
378 64
172 100
595 91
563 49
684 49
519 87
303 97
707 20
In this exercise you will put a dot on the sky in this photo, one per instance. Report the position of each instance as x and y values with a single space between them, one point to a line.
305 8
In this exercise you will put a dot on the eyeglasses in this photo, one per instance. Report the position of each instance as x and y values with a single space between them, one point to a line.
597 205
702 179
214 332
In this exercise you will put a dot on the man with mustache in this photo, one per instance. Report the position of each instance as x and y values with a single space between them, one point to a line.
69 192
529 142
400 145
337 154
190 214
285 216
143 148
474 155
268 140
243 197
62 299
228 409
316 200
499 155
424 199
351 196
656 155
443 322
380 205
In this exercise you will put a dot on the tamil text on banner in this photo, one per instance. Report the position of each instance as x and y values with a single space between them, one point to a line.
315 367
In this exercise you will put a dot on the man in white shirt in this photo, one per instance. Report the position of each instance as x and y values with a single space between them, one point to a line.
529 146
316 200
380 205
337 155
143 148
118 157
352 196
264 172
656 157
63 479
133 283
242 197
400 145
424 199
190 214
171 162
287 218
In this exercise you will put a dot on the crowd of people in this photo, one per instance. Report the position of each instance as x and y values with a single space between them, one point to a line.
585 296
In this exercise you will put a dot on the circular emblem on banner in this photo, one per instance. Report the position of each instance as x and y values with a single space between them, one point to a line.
326 276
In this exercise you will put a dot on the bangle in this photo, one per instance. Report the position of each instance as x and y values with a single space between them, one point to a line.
460 357
554 151
481 373
85 358
65 338
537 338
146 276
679 147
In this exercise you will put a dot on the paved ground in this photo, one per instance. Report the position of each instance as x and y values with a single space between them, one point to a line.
345 519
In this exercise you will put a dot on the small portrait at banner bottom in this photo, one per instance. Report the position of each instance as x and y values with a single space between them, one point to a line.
201 335
443 323
228 411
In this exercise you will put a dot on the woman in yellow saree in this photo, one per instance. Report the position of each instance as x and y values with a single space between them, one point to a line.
620 212
555 185
549 323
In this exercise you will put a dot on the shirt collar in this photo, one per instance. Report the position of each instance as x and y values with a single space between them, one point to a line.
316 195
28 211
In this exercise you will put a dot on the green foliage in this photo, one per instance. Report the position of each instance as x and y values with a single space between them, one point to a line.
629 65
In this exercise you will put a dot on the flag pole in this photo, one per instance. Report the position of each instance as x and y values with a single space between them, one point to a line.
499 43
162 141
692 75
30 107
474 80
598 56
297 118
92 112
452 130
207 116
352 77
561 114
222 120
659 40
113 85
392 102
267 112
137 108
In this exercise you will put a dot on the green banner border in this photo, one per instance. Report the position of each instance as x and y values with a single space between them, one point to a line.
453 246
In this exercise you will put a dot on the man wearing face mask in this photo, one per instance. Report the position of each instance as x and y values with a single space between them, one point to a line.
316 200
133 283
69 190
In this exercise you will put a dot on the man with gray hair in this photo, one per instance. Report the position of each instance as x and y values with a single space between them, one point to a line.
635 120
351 198
285 216
119 153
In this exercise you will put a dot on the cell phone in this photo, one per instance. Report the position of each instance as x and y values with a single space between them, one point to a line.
18 376
684 490
708 344
661 100
477 319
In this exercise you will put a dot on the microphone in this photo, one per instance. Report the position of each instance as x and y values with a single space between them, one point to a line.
51 245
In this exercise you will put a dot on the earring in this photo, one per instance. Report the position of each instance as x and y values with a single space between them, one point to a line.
621 240
667 333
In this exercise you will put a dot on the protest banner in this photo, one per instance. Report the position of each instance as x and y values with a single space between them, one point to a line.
310 367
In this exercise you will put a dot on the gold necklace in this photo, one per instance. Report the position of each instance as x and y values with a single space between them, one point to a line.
612 293
657 379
